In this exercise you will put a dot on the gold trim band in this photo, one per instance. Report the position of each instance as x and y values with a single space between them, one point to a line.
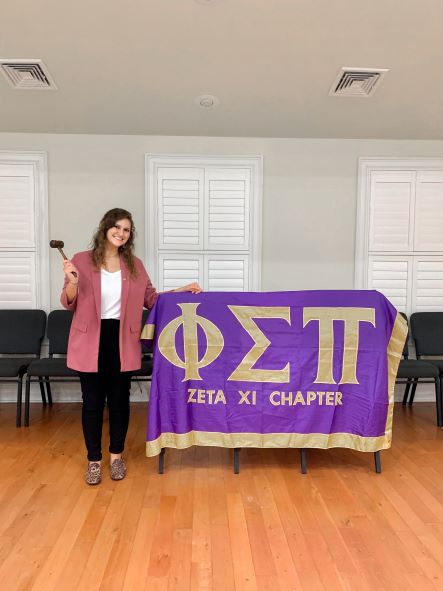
148 332
394 352
266 440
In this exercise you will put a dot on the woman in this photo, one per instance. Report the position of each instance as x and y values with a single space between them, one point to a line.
107 288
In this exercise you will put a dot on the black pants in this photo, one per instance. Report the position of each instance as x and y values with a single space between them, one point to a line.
110 384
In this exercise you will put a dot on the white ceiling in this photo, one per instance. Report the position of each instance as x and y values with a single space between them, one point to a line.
136 66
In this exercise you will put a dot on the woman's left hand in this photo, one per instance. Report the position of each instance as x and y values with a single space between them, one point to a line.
192 287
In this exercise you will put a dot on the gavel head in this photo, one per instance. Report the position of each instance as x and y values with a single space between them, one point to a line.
56 244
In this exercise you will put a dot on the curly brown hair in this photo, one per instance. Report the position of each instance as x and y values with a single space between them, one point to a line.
98 242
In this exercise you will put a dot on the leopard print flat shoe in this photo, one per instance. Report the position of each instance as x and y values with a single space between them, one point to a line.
93 473
118 469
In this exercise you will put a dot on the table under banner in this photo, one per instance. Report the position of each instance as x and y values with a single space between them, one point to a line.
306 369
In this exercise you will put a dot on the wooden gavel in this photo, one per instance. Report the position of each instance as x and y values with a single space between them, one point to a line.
59 244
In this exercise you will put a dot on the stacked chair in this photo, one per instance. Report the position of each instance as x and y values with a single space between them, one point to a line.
427 332
54 368
144 374
411 371
21 335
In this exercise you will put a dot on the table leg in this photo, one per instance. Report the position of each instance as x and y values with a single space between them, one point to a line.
377 462
236 460
304 461
161 461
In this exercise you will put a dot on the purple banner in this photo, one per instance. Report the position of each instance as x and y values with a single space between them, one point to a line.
281 369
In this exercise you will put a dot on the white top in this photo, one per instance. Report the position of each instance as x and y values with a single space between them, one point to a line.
111 294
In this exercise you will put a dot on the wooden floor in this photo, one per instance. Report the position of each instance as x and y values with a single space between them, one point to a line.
199 526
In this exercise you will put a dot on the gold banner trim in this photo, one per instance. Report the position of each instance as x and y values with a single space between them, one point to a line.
394 352
148 332
266 440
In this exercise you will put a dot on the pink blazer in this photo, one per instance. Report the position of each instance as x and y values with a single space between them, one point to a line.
84 337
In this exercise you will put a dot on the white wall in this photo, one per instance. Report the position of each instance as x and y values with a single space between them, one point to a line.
309 199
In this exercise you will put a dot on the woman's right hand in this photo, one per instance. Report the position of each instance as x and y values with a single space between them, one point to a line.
69 268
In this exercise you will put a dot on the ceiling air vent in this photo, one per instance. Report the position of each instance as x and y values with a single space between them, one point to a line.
27 74
358 82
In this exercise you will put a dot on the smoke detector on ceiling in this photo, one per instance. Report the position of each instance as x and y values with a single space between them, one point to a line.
357 82
26 74
207 2
207 101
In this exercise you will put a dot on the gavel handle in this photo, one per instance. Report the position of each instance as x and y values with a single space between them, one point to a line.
65 258
60 250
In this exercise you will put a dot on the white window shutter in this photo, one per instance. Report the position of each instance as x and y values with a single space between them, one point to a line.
408 268
429 211
176 270
17 280
180 207
428 284
204 216
227 196
392 198
24 240
392 276
226 272
17 205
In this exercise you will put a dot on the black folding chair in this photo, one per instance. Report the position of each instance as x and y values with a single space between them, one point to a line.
144 374
52 368
427 333
411 371
21 333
